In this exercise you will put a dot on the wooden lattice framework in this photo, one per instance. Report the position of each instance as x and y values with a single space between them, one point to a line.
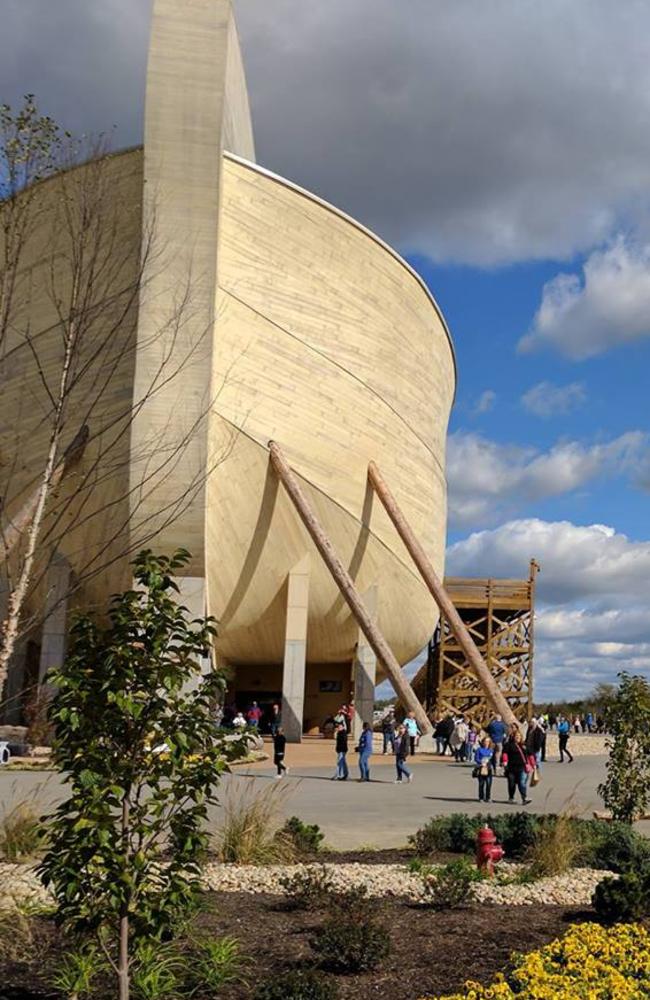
500 617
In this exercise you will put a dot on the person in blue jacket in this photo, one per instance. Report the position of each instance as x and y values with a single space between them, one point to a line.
365 750
483 756
497 731
563 733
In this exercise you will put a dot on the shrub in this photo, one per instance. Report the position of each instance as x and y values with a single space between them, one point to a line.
307 984
455 833
308 888
353 904
349 945
22 833
615 846
624 899
306 837
589 961
250 834
450 886
216 962
516 832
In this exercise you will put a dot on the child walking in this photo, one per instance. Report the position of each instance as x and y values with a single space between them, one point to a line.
279 744
483 756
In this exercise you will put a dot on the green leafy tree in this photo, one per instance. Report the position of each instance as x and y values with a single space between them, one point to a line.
140 752
626 789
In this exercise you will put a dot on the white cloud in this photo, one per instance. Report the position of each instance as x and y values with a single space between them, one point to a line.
548 400
608 306
487 480
485 402
465 130
593 617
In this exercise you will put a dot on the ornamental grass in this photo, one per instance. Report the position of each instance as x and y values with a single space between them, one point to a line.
589 962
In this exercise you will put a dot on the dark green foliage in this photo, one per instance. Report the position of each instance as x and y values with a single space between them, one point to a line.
299 984
353 904
614 846
516 832
306 837
307 889
623 899
626 789
138 751
350 945
450 886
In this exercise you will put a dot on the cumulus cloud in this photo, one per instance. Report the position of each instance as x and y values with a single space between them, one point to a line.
464 130
609 305
548 400
593 615
488 479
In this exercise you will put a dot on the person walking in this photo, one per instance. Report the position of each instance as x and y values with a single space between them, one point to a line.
402 746
458 739
254 715
342 771
279 746
365 751
496 730
439 736
563 733
471 743
535 741
412 730
388 732
446 729
483 768
517 766
275 718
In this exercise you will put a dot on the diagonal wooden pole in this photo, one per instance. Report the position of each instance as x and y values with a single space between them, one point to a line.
440 596
346 585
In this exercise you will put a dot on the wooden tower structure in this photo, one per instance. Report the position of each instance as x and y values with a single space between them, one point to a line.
500 617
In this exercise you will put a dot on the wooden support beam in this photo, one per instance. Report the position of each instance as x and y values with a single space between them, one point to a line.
348 590
440 595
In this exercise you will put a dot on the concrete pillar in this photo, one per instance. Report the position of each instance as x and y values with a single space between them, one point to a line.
295 651
54 633
192 595
365 671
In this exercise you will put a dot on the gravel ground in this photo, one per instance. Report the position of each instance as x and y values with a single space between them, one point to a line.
19 883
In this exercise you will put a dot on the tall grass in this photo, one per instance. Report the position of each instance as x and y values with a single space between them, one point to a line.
251 834
23 834
556 847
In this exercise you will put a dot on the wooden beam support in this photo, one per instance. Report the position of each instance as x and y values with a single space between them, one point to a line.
440 595
348 590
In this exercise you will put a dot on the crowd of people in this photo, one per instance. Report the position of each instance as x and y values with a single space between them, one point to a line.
496 748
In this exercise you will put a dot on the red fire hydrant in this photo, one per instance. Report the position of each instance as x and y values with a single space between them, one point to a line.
488 852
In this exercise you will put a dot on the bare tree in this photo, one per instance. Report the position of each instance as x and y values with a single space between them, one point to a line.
76 261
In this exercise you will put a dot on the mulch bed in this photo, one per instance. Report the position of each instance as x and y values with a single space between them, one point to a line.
431 953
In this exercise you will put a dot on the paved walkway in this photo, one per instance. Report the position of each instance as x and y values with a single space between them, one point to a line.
378 814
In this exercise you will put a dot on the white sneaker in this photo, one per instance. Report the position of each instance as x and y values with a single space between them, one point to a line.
276 776
286 770
410 778
398 781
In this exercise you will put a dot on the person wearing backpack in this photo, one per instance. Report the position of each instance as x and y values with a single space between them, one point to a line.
365 751
402 746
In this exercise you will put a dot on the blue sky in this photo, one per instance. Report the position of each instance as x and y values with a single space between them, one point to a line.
504 148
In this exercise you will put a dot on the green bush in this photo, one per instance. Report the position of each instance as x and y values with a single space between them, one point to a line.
306 837
614 846
516 832
450 886
625 899
307 889
307 984
353 904
349 945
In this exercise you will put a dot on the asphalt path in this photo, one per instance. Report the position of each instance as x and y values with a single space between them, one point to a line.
377 814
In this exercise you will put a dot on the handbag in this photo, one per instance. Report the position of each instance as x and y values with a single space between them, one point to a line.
536 778
476 772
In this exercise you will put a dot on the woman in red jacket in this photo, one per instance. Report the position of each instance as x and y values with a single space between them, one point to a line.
517 765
